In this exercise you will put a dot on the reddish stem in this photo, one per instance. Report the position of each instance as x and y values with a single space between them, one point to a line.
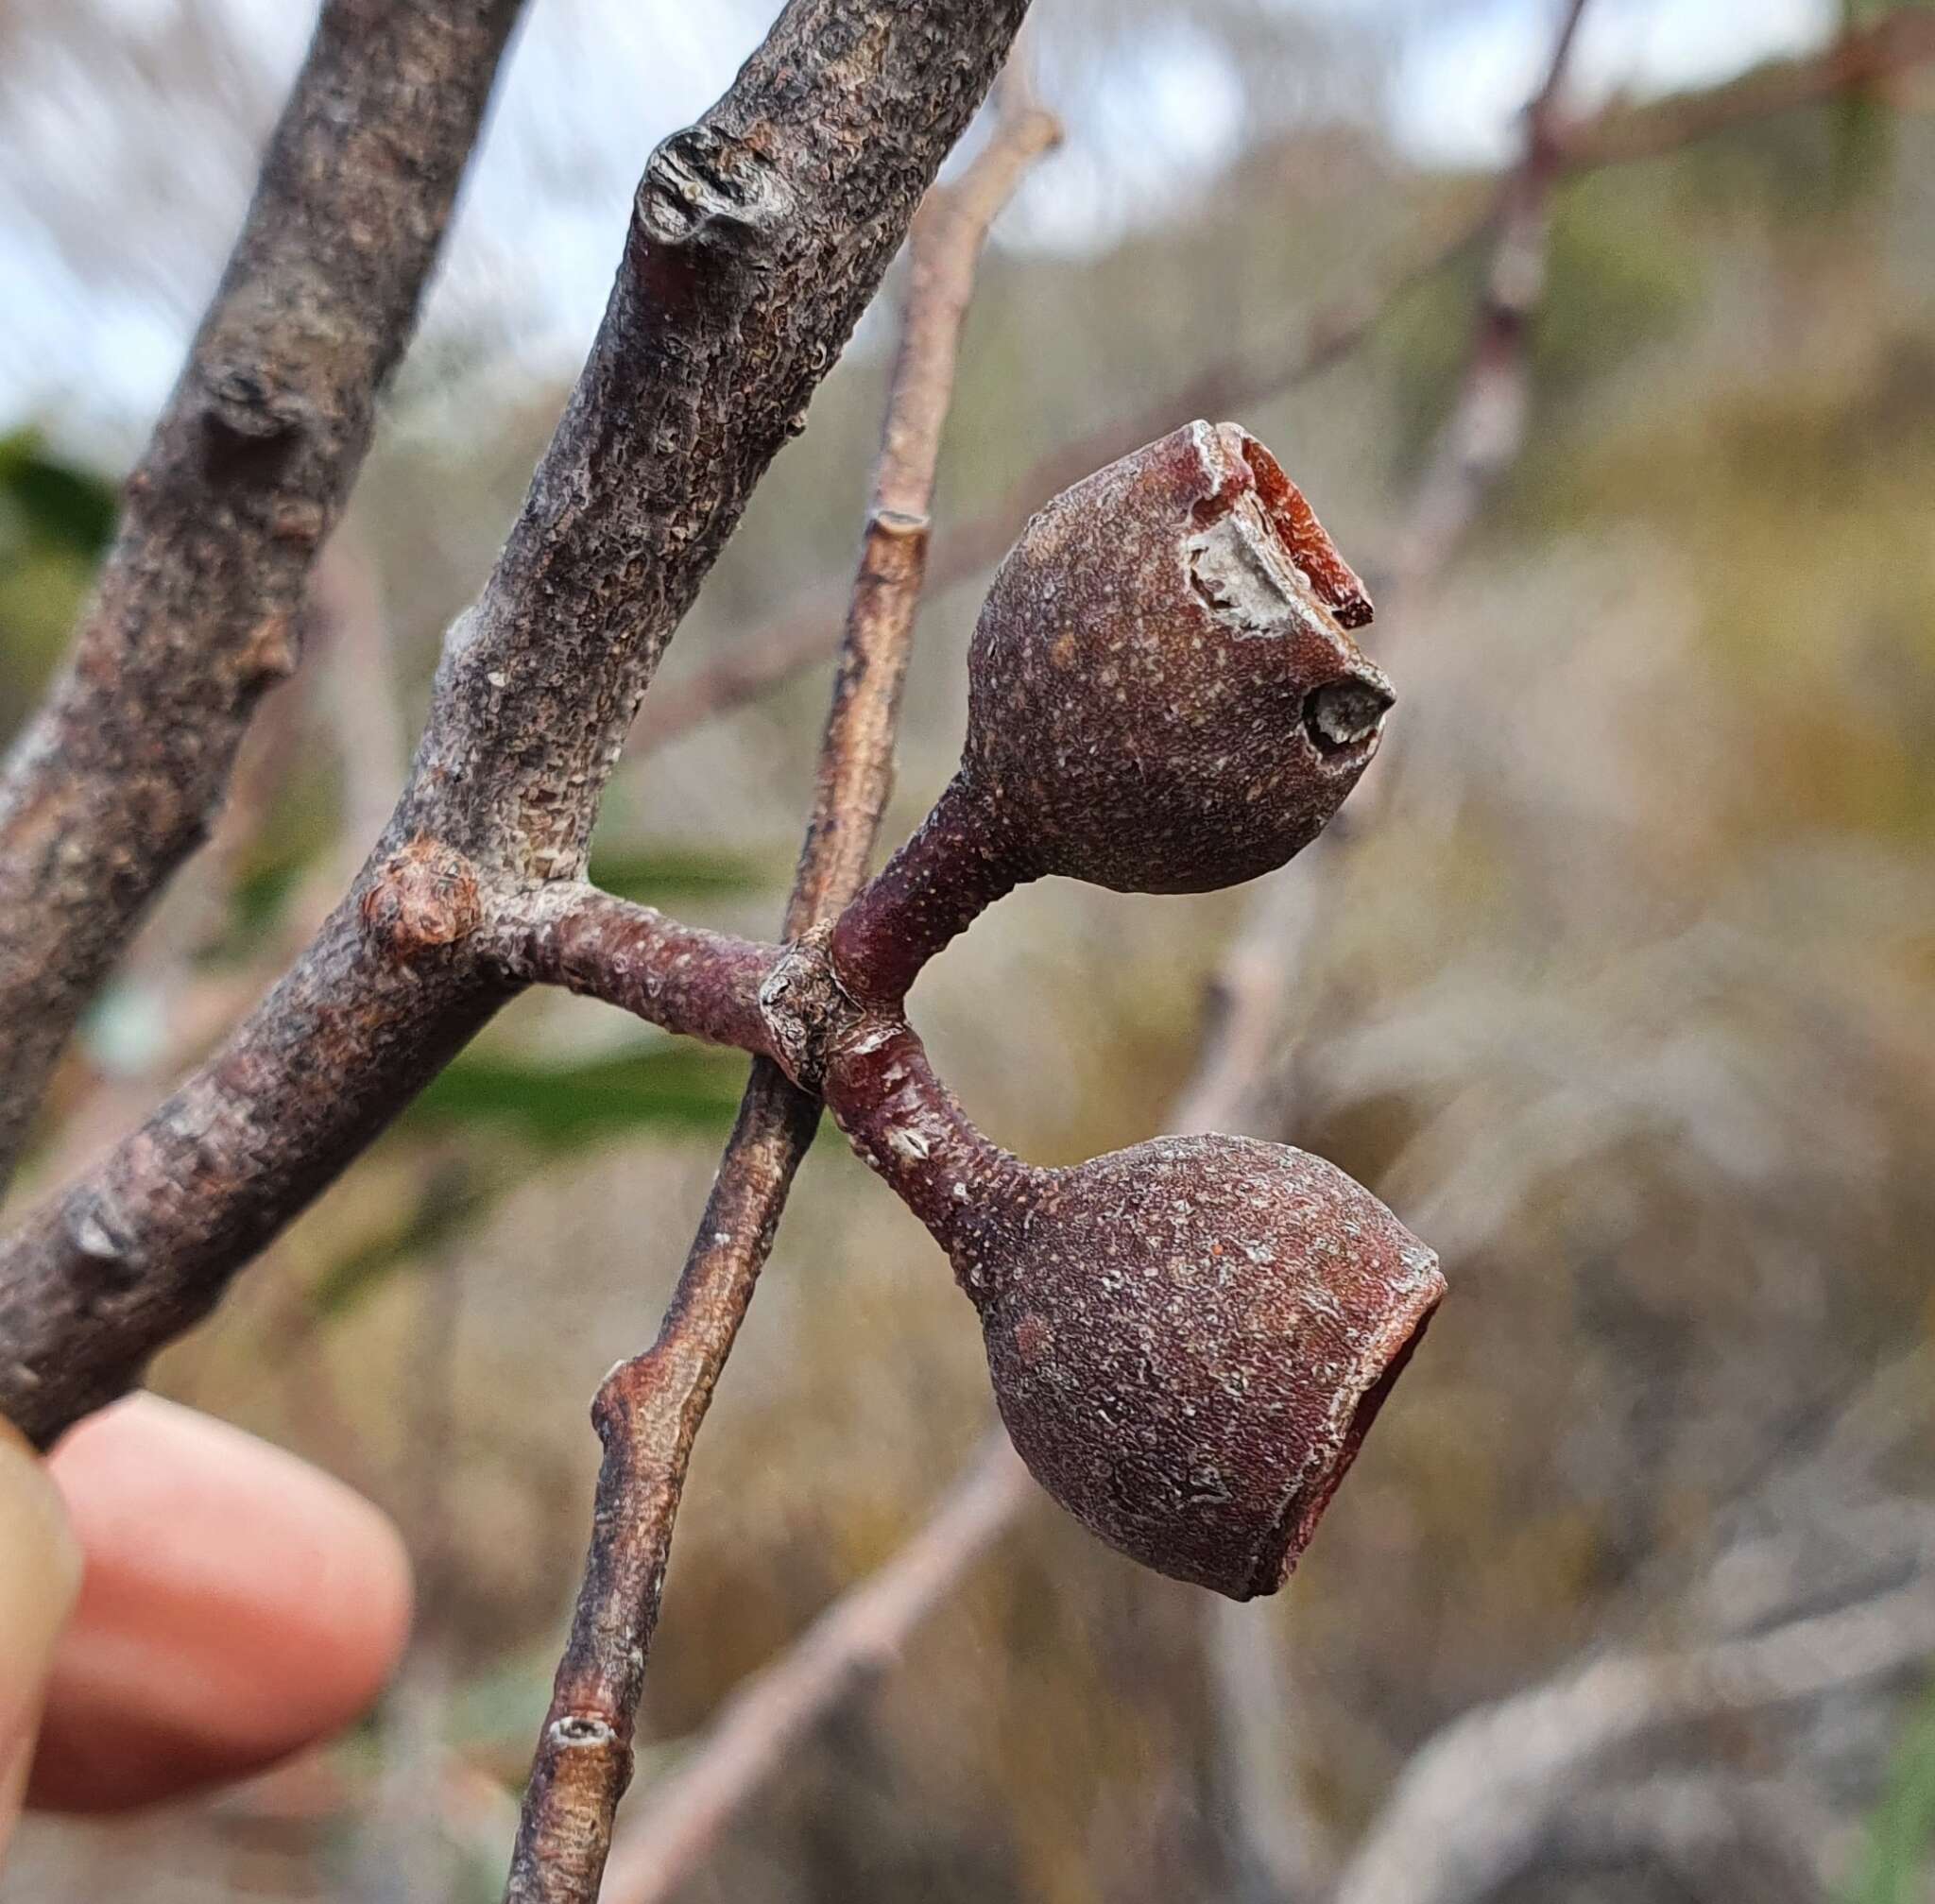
683 978
910 1127
954 867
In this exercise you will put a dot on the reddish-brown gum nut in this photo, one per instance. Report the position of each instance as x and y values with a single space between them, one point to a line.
1163 692
1189 1341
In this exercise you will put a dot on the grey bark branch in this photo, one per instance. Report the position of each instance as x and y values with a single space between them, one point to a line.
196 610
757 236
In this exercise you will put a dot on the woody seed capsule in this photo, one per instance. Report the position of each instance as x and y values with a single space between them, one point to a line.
1163 693
1189 1341
1164 696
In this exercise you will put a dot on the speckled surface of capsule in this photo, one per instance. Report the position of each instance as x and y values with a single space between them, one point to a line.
1190 1339
1164 693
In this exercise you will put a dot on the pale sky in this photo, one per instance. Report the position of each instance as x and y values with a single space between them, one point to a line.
122 175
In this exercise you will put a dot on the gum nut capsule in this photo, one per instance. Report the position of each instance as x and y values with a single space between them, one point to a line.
1189 1341
1163 692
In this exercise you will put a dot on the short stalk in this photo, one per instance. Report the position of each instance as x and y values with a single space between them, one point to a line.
953 869
683 978
909 1127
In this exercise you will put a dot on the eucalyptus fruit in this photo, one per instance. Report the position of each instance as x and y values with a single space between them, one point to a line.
1163 693
1187 1340
1164 696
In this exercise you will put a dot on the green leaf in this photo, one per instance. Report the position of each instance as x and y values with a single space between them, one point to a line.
661 875
71 507
560 1107
1901 1832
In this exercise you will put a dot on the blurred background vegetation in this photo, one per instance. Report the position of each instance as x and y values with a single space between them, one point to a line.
1626 1003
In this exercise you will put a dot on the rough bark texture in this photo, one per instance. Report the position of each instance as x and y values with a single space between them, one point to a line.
199 607
758 238
649 1410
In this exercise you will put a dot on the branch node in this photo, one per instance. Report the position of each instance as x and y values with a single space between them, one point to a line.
251 406
801 1003
424 896
701 188
98 1237
575 1732
271 652
910 525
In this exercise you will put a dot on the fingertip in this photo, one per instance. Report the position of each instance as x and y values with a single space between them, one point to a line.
40 1574
237 1604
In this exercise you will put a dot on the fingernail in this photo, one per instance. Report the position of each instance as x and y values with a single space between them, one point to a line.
40 1574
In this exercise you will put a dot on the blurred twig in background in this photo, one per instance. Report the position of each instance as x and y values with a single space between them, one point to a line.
1880 50
806 631
1247 1656
776 1711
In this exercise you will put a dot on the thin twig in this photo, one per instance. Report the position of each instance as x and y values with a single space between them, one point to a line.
1479 1792
1893 44
1481 436
196 610
860 1636
649 1408
757 238
1485 429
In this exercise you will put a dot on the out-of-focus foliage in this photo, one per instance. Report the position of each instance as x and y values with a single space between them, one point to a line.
561 1107
55 520
1895 1868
